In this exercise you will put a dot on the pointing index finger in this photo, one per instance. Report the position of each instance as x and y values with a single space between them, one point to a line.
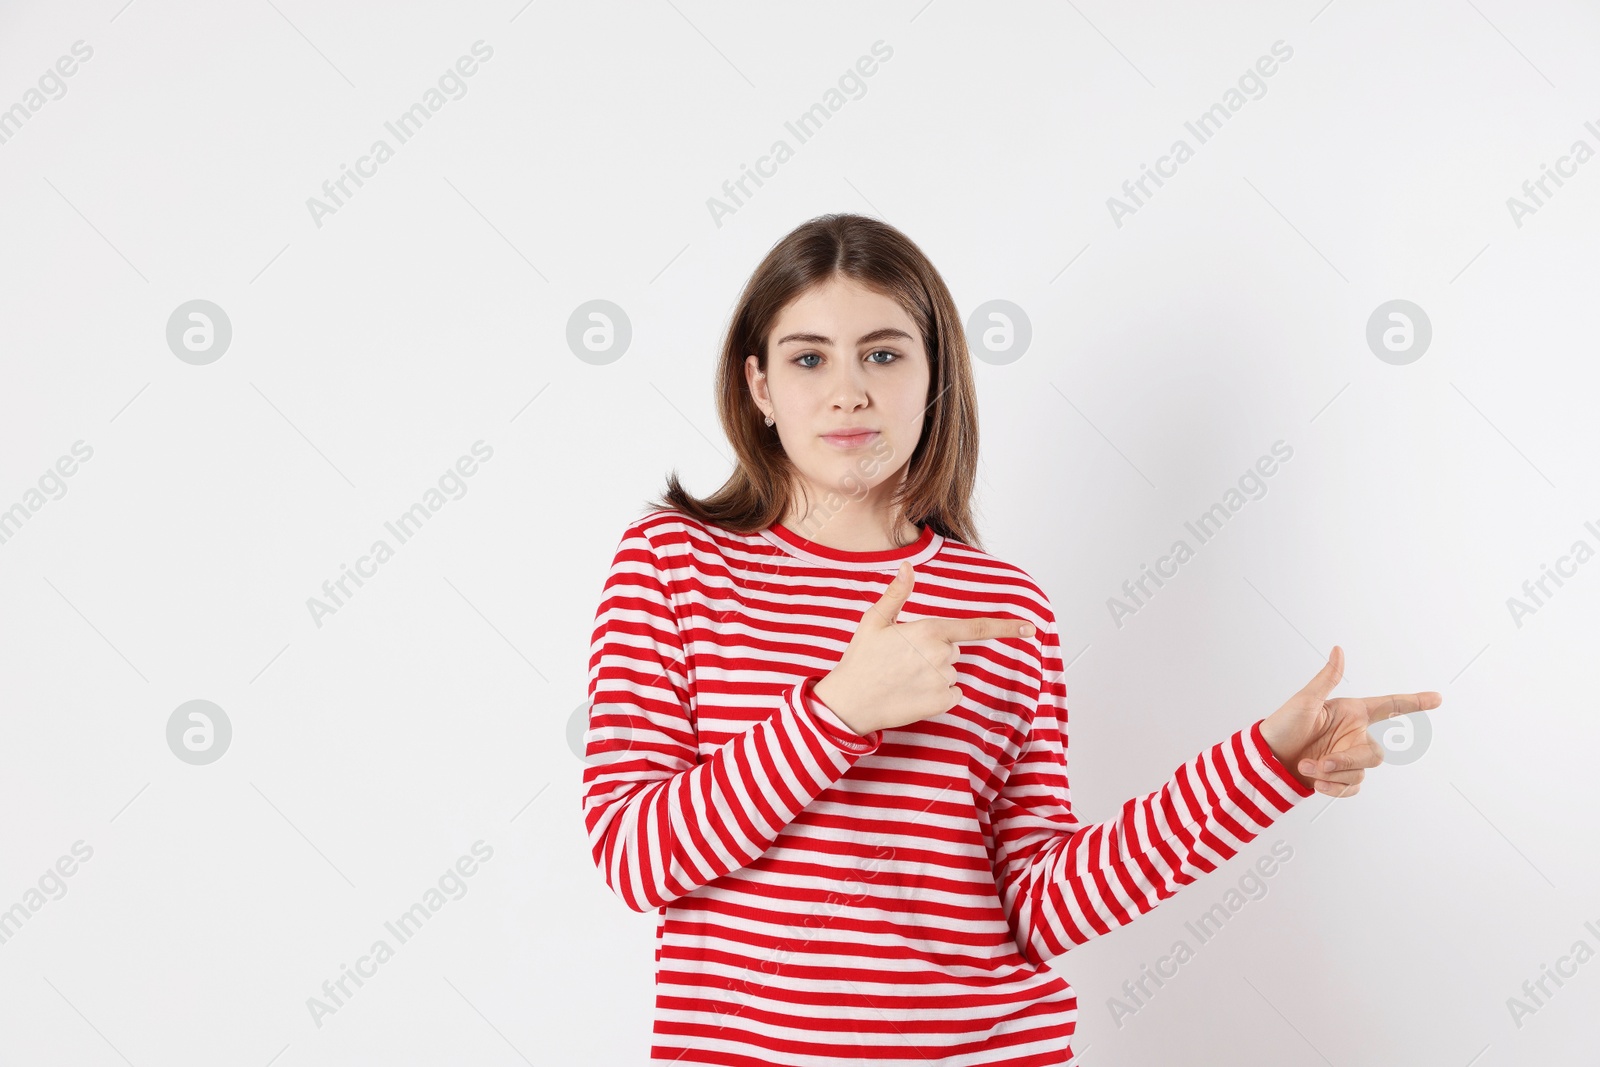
981 629
1388 707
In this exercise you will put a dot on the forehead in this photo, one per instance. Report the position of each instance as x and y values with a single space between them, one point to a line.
843 312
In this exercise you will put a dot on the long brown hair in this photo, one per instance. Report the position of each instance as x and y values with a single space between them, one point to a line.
937 490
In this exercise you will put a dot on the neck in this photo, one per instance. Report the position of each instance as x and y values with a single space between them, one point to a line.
854 527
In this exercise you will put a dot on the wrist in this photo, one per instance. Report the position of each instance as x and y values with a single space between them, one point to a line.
825 694
1269 734
1279 746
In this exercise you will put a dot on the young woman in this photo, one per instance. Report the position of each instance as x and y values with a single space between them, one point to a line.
828 731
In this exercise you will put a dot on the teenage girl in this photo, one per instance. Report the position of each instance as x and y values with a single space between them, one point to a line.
828 731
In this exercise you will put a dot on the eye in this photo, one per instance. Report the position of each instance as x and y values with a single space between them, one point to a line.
893 357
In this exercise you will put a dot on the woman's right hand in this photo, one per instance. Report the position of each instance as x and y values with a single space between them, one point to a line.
894 673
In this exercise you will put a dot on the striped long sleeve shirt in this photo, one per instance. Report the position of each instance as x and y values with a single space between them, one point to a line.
826 897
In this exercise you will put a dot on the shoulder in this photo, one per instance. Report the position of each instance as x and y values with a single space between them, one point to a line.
654 524
664 524
999 582
670 536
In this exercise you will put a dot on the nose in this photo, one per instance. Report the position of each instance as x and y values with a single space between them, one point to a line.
848 385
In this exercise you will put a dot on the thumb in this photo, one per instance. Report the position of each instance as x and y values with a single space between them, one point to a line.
1329 676
887 609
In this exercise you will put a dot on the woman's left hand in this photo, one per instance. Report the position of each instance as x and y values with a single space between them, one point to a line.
1324 743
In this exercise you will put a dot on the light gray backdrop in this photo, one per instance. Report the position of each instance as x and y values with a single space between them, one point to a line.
226 379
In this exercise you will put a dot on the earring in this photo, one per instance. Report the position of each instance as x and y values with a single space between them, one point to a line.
769 420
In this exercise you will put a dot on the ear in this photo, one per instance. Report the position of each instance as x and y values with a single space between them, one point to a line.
756 380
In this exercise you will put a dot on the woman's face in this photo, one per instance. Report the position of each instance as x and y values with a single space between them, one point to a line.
842 357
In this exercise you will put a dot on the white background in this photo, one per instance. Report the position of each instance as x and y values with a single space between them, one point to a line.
430 311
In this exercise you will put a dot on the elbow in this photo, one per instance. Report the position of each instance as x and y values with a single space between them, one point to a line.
643 906
614 860
1038 954
640 900
1035 927
622 852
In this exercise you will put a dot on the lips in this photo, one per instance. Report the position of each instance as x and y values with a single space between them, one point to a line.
850 439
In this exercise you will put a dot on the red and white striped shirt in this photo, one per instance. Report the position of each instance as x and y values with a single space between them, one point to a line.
826 897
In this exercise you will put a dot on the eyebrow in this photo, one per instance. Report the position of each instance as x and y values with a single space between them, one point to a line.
883 334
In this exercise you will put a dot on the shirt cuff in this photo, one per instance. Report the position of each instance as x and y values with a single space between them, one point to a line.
1272 763
833 727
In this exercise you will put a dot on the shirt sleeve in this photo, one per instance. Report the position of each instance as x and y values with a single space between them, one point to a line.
1063 882
662 819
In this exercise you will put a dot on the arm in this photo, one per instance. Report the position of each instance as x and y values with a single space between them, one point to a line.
661 821
1062 882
